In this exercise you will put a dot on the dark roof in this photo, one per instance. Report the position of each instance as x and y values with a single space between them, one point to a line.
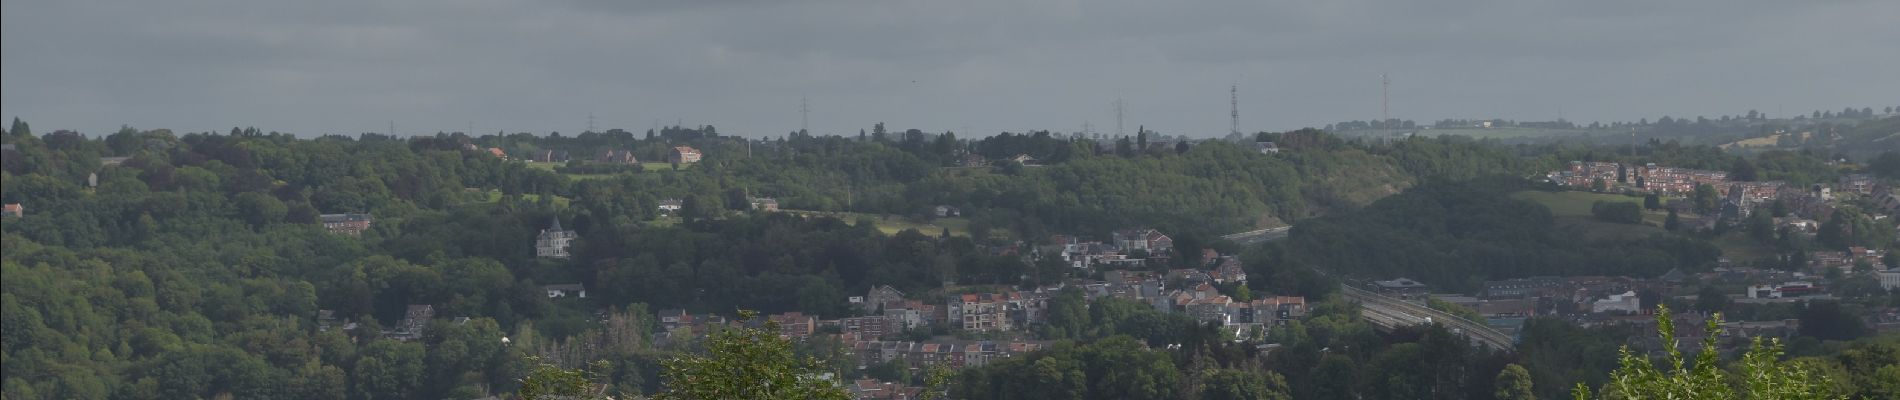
1399 283
571 287
328 218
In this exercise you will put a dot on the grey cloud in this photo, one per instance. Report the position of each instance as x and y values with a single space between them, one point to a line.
429 65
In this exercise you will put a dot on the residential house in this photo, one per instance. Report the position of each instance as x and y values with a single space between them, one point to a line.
683 155
1149 240
1858 254
1081 254
12 210
1626 302
947 211
1209 256
1229 271
1189 277
765 204
673 318
1277 310
909 314
983 312
575 290
623 157
348 224
1821 261
553 241
876 326
1676 181
1213 308
670 206
1886 200
794 324
883 294
1026 160
414 321
1266 147
676 320
1811 205
496 151
1858 183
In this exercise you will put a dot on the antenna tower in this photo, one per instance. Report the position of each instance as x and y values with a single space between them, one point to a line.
1118 118
1385 104
804 115
590 122
392 128
1233 101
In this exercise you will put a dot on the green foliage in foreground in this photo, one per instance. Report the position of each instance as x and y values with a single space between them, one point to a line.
1762 374
747 363
739 363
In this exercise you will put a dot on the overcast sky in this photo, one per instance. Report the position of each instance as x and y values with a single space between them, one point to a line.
983 66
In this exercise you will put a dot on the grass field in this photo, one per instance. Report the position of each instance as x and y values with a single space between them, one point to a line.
1573 204
493 196
893 224
649 167
1594 230
1737 247
660 166
1765 141
1572 210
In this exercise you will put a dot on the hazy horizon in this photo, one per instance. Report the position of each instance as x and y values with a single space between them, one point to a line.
970 67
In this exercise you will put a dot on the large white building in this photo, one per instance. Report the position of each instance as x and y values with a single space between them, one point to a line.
1626 302
1890 279
553 241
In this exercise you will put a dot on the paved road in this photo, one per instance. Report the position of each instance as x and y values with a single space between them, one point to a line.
1250 238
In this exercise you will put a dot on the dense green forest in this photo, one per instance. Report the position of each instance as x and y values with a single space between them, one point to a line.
195 266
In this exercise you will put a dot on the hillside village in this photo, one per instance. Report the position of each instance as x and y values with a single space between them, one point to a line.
965 324
1794 211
